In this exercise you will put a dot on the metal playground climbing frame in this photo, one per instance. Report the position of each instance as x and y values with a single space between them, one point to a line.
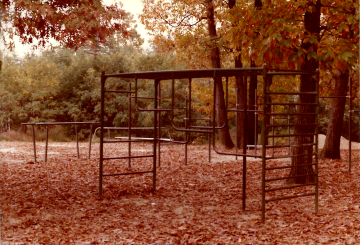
277 104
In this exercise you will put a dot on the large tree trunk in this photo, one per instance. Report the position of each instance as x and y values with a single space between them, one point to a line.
307 84
333 135
221 114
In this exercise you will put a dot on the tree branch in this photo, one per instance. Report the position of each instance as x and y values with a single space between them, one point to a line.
181 21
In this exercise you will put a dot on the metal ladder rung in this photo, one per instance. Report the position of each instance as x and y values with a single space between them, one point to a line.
283 146
290 197
289 187
289 177
291 125
294 166
289 156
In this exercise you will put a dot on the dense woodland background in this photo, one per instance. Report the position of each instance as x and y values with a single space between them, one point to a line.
63 85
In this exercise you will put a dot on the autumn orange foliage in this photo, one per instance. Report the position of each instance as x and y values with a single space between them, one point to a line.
57 202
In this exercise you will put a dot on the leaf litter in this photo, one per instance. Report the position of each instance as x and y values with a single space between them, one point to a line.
57 202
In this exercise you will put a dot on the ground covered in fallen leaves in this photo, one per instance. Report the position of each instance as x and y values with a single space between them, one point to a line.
57 202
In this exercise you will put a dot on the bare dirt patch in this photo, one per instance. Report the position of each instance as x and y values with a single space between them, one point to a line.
57 202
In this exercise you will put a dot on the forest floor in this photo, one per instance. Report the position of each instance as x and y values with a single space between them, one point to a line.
201 203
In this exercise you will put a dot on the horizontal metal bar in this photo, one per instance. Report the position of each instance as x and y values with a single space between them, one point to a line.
199 119
290 125
289 187
289 135
203 127
119 91
292 166
290 114
234 154
181 74
288 70
293 93
123 141
289 177
140 172
284 146
290 197
61 123
206 127
241 110
132 128
194 131
288 156
119 158
291 104
291 73
124 138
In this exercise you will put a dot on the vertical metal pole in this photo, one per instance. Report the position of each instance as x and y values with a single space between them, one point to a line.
263 139
47 140
77 141
90 139
159 123
214 110
288 122
236 123
172 97
136 83
156 82
186 133
209 139
129 128
102 114
34 143
256 120
227 92
350 118
317 144
244 143
272 129
189 118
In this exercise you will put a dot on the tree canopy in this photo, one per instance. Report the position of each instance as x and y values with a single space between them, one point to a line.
72 23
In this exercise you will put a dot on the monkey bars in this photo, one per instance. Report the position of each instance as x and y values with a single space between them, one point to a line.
307 141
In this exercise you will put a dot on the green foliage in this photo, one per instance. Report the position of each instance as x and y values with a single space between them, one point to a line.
61 85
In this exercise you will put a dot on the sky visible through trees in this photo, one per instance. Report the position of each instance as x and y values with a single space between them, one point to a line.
132 6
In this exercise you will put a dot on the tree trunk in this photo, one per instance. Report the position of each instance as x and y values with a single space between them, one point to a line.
333 135
307 84
221 114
